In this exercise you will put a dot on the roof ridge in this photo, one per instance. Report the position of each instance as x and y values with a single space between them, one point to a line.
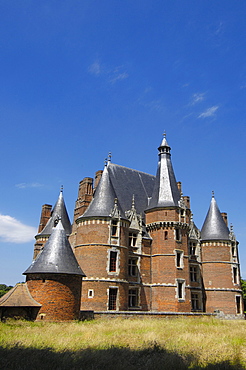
132 169
9 293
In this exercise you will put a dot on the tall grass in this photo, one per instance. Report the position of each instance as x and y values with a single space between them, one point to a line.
124 344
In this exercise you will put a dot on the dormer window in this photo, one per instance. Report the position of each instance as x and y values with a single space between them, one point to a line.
193 249
132 239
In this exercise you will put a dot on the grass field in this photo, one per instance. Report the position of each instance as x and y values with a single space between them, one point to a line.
196 343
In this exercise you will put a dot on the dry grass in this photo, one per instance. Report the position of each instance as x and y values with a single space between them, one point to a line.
124 344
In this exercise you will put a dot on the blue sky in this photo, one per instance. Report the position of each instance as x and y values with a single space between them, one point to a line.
80 79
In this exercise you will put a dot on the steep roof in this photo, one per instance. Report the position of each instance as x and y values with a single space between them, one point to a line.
121 183
165 192
214 227
18 296
59 212
103 202
57 256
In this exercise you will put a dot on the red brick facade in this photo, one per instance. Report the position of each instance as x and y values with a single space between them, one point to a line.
153 261
59 294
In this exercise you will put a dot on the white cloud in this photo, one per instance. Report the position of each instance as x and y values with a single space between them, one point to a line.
197 98
95 69
24 185
14 231
119 76
210 112
112 75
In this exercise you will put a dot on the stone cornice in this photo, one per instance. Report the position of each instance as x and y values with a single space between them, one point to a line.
166 224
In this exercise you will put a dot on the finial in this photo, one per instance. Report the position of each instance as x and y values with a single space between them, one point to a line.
164 134
231 228
109 157
61 190
133 201
105 162
115 201
212 194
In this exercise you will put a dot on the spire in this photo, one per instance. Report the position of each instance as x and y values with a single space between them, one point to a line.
214 227
103 203
57 256
165 193
59 212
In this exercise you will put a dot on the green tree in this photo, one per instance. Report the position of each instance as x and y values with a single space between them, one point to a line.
243 285
4 289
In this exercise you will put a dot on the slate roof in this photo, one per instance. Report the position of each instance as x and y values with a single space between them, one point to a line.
59 212
122 183
57 256
214 227
165 192
103 202
18 296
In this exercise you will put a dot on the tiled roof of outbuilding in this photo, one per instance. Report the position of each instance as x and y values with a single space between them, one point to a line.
18 296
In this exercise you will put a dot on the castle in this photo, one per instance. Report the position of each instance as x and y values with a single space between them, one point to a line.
137 249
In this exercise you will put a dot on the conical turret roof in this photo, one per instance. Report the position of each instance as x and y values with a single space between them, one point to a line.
59 212
103 202
214 227
57 256
166 192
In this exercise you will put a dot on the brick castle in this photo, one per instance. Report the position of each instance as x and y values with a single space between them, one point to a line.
137 249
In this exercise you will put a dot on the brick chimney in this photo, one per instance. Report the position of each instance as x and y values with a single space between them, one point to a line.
45 216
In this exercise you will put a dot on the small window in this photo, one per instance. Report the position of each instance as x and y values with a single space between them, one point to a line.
233 251
180 290
165 235
193 249
132 239
178 235
113 261
112 298
238 303
90 293
179 259
235 280
133 297
193 273
114 227
195 304
132 267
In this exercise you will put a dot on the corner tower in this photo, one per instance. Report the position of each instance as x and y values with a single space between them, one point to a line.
167 221
54 279
220 264
101 248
